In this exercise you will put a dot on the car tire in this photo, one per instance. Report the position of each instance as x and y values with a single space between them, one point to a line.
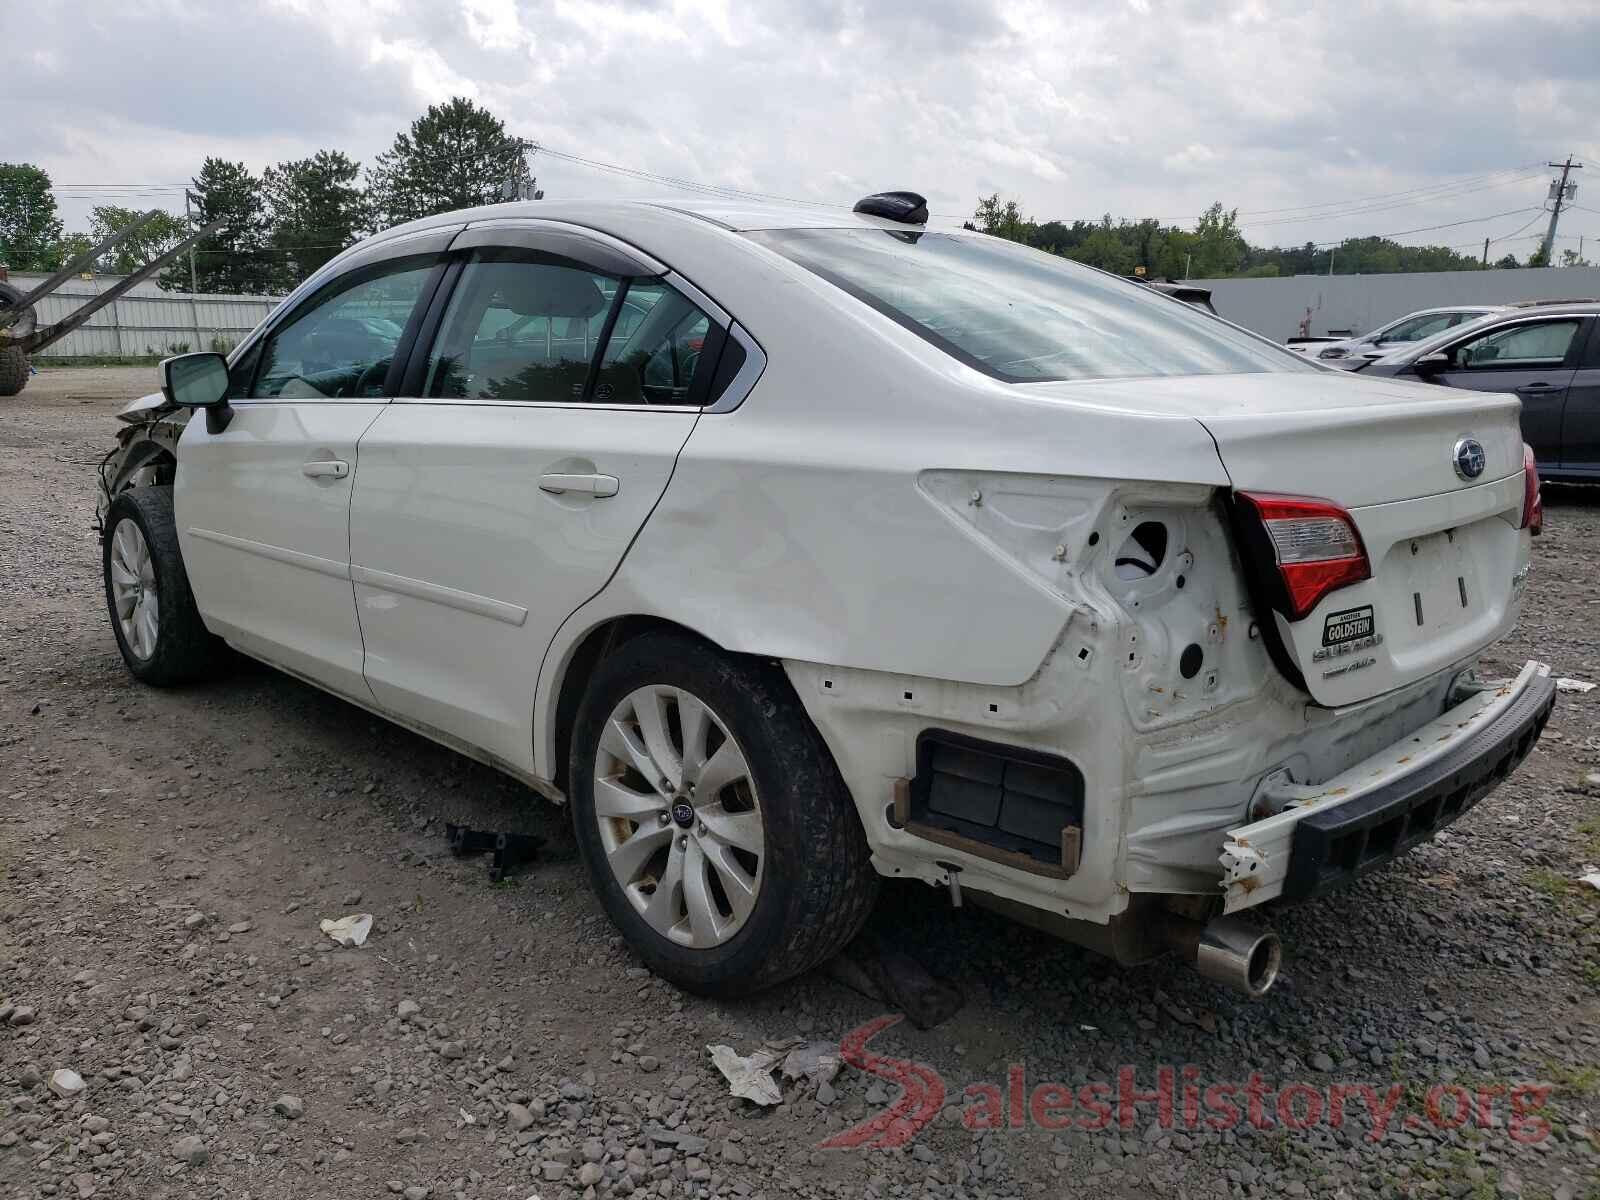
813 882
13 371
165 642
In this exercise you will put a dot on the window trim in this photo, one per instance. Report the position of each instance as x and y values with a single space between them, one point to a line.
428 240
572 243
1574 347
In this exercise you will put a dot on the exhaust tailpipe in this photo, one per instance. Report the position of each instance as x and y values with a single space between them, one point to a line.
1230 951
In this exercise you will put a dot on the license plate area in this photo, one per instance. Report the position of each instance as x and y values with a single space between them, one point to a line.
1431 585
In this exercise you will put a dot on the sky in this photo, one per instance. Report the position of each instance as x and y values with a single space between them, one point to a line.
1317 121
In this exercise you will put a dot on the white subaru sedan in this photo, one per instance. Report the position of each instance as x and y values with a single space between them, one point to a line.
791 550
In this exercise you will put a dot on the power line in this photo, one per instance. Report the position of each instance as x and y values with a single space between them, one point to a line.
1510 212
1408 191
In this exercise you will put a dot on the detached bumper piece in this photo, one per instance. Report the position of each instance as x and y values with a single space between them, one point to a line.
509 849
1322 837
1003 803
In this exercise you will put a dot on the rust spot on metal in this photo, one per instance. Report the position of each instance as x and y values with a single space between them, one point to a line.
1404 758
1249 883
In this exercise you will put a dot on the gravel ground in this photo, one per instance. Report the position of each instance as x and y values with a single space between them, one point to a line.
165 858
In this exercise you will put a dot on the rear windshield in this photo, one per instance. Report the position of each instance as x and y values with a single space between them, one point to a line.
1021 315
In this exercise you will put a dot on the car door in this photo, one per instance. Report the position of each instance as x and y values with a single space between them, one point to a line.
1533 357
562 374
263 505
1580 419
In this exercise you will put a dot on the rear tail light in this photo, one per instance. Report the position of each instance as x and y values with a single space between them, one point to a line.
1532 503
1315 544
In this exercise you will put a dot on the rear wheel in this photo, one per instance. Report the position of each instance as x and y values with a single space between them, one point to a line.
715 826
153 615
13 371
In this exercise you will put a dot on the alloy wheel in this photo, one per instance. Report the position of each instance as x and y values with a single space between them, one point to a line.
133 588
680 821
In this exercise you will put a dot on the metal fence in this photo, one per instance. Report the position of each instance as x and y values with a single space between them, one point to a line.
1341 304
148 320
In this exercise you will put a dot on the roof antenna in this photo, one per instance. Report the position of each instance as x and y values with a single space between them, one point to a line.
905 207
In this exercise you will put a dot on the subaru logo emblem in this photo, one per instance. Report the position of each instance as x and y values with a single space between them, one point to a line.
683 814
1470 458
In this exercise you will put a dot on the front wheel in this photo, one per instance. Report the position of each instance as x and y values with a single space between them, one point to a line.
714 824
153 614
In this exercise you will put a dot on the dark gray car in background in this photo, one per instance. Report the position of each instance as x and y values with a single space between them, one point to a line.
1547 354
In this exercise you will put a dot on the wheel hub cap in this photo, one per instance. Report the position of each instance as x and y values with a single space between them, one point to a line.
679 819
133 589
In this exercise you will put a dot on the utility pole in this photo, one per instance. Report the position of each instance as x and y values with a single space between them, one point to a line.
194 284
1560 192
1331 249
1486 252
188 215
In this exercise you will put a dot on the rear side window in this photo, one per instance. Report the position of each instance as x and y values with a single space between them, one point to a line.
521 330
653 357
1021 315
531 328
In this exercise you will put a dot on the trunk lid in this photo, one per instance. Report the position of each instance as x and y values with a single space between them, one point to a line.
1444 550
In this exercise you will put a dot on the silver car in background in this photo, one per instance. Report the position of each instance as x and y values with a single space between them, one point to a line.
1413 327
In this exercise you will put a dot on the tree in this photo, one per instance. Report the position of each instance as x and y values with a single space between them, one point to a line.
232 259
1539 258
164 231
1508 263
314 210
29 227
1219 249
456 155
1571 258
1002 220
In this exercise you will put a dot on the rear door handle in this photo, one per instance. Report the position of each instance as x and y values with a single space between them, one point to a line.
599 486
331 468
1537 387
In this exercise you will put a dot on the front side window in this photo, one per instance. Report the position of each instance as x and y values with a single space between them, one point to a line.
340 344
1023 316
521 327
1531 344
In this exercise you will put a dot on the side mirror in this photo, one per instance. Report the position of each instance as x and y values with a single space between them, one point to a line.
1431 364
199 381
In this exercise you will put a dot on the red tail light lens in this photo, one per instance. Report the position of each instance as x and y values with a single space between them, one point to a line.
1532 502
1317 547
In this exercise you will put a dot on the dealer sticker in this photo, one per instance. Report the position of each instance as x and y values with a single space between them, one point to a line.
1351 625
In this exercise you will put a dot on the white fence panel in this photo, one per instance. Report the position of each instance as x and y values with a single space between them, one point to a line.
148 320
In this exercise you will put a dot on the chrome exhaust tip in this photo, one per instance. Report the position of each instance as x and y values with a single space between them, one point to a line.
1230 951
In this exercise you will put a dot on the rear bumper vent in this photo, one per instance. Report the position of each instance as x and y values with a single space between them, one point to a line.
1019 807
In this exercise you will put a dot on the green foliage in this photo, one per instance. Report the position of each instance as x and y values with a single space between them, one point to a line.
230 260
456 155
163 232
315 209
30 231
1215 248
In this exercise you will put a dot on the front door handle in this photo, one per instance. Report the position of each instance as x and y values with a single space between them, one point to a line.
331 468
599 486
1541 386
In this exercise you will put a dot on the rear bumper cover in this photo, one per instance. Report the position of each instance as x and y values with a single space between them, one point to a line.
1322 836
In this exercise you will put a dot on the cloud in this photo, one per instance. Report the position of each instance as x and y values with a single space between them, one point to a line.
1139 109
